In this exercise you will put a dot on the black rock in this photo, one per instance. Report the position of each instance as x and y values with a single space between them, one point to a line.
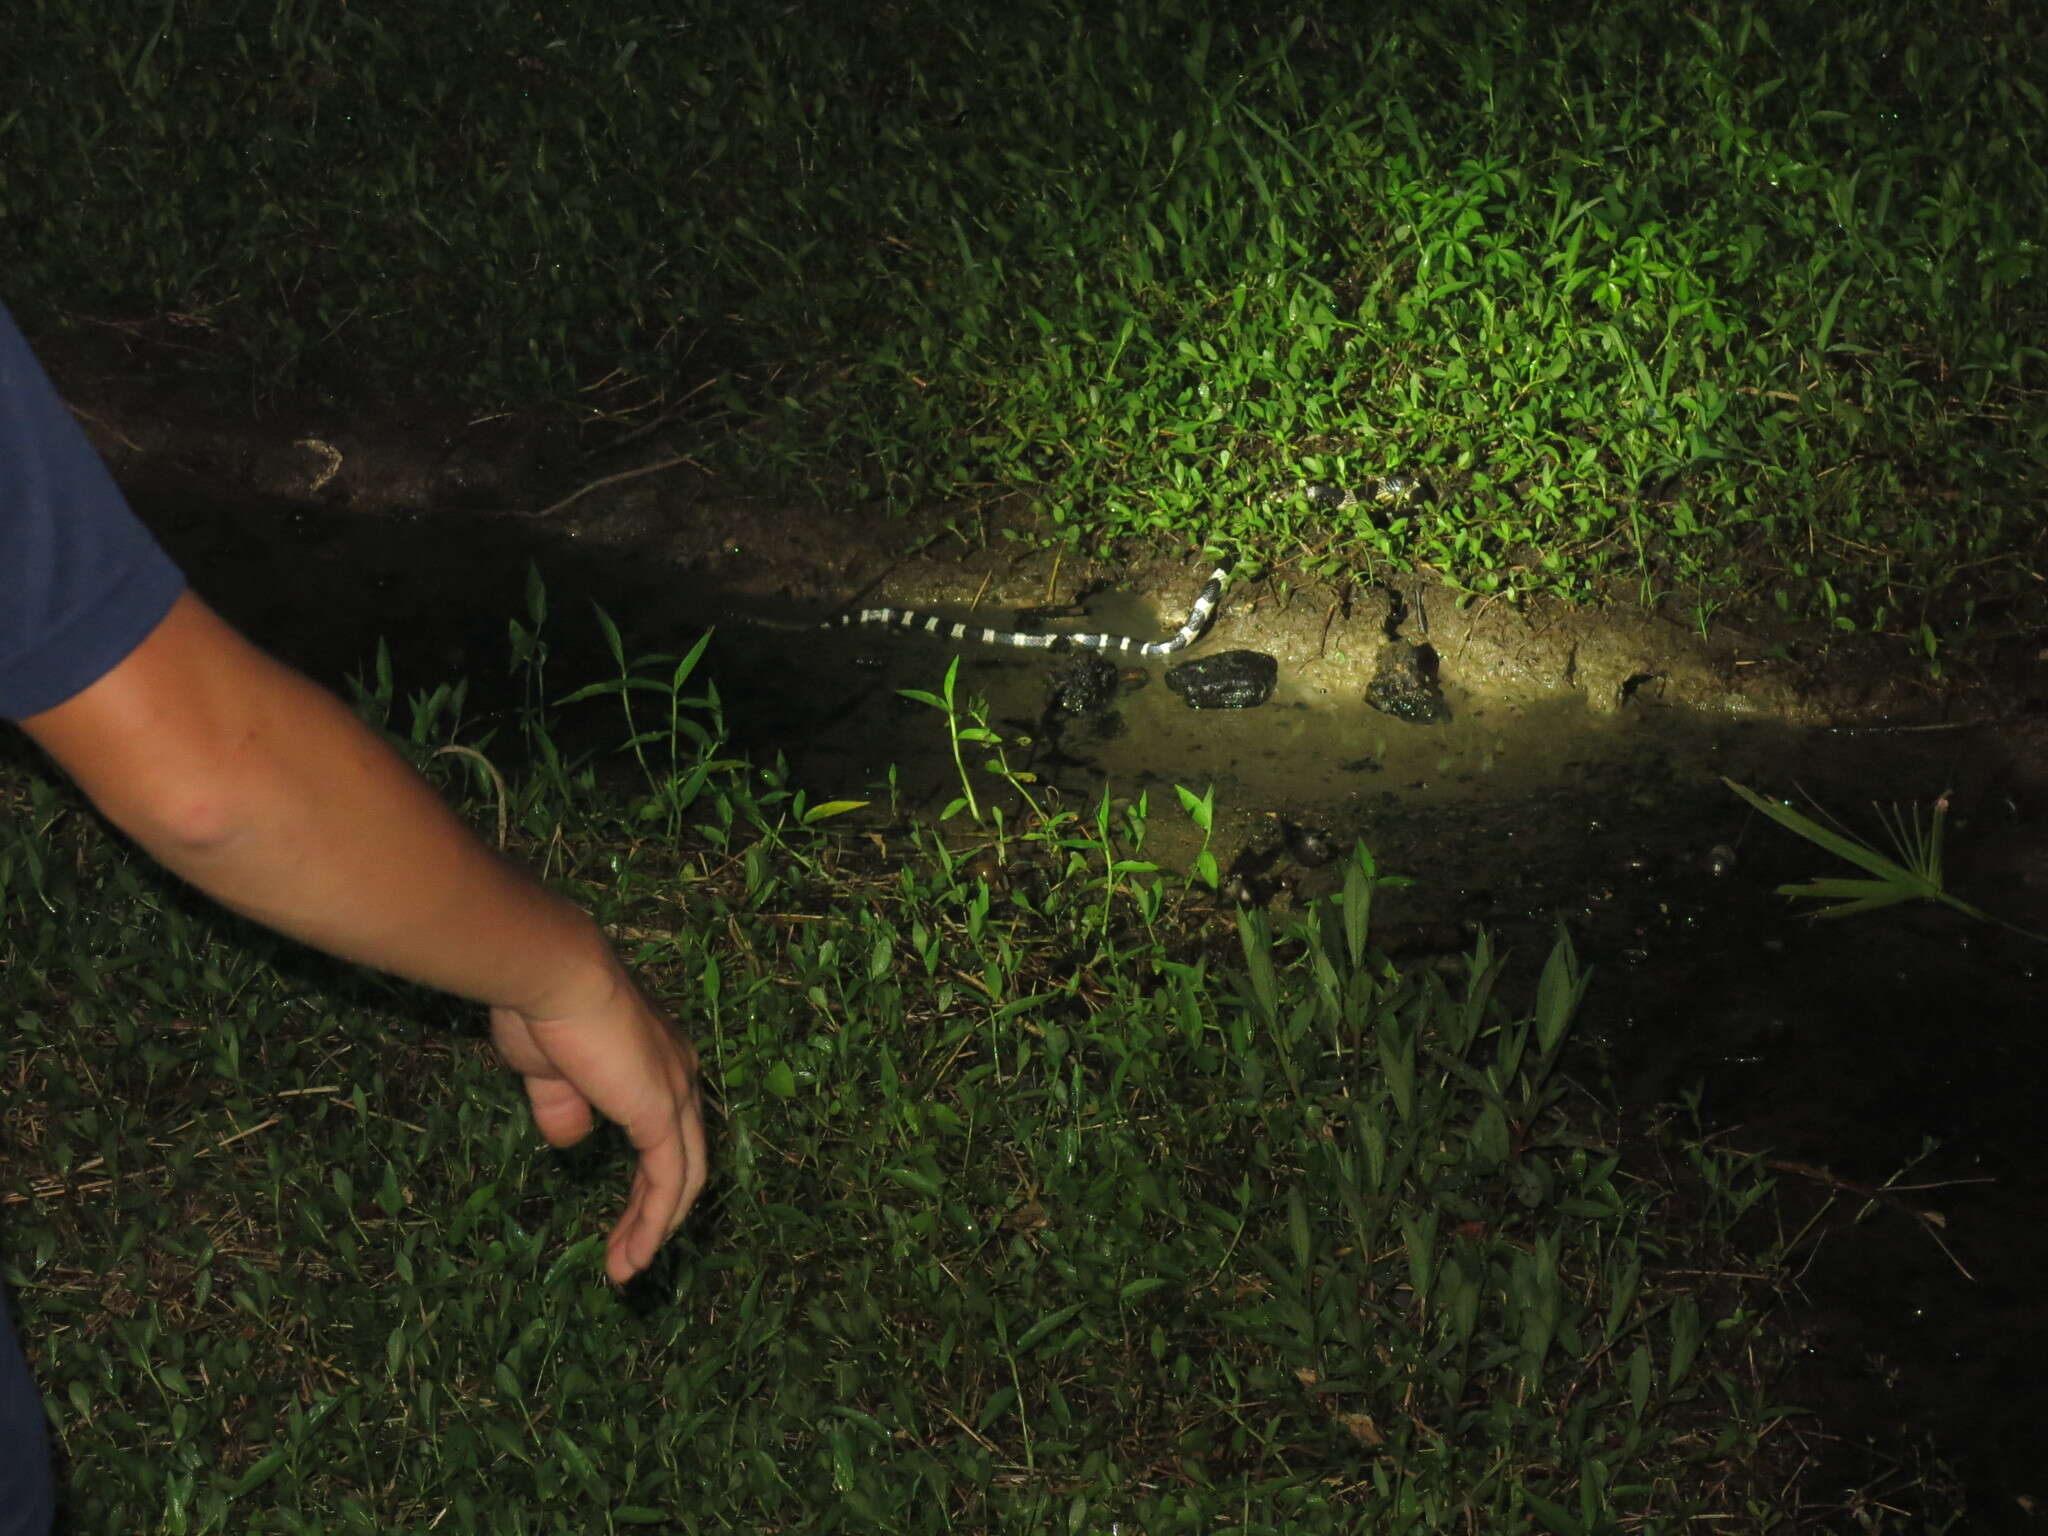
1404 684
1311 847
1228 680
1086 685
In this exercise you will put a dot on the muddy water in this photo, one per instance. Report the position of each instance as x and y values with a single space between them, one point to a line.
1905 1047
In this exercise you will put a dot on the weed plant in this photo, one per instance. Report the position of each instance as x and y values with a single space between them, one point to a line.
1913 871
1734 301
1049 1196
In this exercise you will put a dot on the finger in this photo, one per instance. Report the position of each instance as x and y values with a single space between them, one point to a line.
636 1239
652 1210
560 1113
696 1155
652 1213
622 1250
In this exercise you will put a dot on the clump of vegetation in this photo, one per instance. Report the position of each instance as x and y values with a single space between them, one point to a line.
1913 871
1730 303
1053 1199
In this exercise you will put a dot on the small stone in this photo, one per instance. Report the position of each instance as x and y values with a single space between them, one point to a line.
1228 680
1312 847
1086 685
1404 684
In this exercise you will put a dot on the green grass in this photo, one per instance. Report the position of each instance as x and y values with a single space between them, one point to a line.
1048 1197
1730 303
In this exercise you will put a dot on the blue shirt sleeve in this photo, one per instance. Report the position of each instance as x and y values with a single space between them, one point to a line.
82 583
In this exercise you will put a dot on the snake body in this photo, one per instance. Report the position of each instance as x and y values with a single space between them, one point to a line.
1200 612
1387 490
1395 490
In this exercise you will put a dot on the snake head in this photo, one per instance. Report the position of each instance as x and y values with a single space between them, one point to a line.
1392 490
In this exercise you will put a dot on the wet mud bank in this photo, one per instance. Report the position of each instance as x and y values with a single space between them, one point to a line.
1890 1068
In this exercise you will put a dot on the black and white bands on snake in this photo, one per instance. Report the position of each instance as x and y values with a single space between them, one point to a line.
1200 612
1388 490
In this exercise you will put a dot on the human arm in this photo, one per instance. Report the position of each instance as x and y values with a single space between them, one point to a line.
266 793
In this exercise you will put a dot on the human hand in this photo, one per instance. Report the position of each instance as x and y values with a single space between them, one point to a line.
620 1057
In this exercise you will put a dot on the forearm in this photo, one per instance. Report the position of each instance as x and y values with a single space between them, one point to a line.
269 795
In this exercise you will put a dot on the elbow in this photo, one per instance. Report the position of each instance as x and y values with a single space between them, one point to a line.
184 744
192 825
194 798
178 822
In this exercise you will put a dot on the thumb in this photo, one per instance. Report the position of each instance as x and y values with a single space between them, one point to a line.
561 1114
